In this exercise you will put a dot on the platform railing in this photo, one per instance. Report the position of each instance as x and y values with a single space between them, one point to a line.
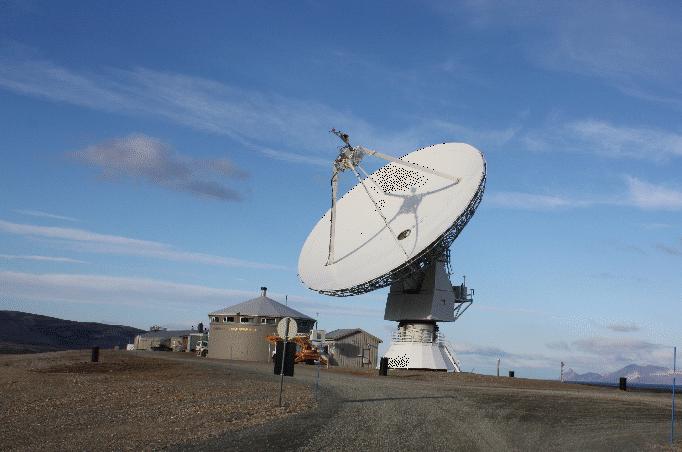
422 336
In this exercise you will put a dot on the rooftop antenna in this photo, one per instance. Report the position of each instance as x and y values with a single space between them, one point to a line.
408 213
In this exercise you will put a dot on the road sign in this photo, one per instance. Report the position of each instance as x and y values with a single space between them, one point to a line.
282 328
286 329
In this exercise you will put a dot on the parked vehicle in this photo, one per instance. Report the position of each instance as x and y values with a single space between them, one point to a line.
306 352
201 348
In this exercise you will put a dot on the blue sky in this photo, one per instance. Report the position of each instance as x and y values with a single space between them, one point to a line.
161 160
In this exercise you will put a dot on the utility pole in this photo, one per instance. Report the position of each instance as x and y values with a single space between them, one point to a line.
672 422
562 371
498 367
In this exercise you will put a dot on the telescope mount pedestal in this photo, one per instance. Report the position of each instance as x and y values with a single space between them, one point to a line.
417 304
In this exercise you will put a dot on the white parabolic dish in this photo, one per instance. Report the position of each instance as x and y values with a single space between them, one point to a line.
425 210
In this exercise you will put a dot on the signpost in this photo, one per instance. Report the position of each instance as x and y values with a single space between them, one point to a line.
286 329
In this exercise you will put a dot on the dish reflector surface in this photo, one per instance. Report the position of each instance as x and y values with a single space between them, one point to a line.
425 212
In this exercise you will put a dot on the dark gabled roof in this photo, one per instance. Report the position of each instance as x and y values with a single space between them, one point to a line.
264 307
345 332
164 334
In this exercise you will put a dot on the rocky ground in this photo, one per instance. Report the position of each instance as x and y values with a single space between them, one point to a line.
175 401
130 401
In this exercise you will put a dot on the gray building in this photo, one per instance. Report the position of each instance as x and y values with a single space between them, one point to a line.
352 347
239 331
177 340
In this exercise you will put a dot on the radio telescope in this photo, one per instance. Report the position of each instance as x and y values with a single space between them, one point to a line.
394 228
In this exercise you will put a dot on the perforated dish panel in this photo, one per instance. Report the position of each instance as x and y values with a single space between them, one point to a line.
399 362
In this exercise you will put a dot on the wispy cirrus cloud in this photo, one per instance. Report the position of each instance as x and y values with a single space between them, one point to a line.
623 327
485 357
146 292
146 158
596 354
669 249
256 120
292 157
29 257
651 196
558 345
533 201
637 193
104 289
594 136
41 214
630 46
85 240
623 351
279 127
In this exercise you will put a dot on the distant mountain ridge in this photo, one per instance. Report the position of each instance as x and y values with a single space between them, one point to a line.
635 373
22 332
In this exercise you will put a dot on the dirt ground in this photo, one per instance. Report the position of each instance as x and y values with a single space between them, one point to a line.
129 401
175 401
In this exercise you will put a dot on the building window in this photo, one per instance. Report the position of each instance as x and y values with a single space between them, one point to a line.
267 321
228 319
244 320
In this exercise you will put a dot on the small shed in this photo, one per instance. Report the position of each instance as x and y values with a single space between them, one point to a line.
352 347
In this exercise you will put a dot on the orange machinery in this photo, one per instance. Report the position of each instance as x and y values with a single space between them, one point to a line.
305 352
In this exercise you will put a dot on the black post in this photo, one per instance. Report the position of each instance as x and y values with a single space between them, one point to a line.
94 357
383 366
511 374
623 384
285 339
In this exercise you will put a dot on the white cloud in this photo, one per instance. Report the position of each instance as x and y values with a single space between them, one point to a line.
484 358
113 244
621 141
260 122
250 117
531 201
40 214
558 345
595 354
147 158
650 196
145 292
296 158
623 351
67 260
638 193
656 226
623 327
593 136
100 289
631 46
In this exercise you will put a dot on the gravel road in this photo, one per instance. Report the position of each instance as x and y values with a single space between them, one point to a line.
176 401
435 411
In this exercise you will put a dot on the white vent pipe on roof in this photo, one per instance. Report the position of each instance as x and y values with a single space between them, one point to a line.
263 291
